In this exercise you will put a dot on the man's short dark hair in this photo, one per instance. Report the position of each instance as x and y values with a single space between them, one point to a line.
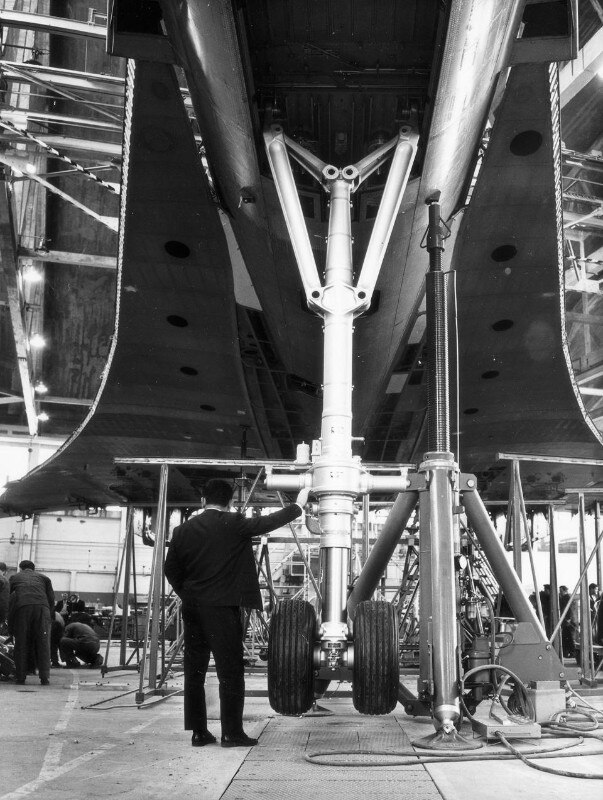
217 492
26 565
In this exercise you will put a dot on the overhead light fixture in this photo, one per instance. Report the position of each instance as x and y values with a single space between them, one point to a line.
43 416
18 118
41 387
37 341
31 274
30 168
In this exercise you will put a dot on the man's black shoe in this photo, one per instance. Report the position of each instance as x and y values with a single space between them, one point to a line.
20 682
44 681
240 740
201 738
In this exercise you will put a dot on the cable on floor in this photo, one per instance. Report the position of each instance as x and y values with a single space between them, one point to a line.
520 707
561 772
410 757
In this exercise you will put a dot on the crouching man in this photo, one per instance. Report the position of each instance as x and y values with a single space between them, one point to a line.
80 641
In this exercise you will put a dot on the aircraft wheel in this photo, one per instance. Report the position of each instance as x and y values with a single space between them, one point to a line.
290 657
376 660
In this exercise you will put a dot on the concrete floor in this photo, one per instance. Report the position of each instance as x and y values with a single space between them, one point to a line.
55 745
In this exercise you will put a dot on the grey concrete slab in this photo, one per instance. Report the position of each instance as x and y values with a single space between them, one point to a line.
315 788
56 746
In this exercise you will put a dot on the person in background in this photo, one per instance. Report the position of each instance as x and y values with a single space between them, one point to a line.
569 626
57 629
80 641
211 567
594 599
79 613
31 602
4 593
545 602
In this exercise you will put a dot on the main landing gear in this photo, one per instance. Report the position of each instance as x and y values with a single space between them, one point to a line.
305 654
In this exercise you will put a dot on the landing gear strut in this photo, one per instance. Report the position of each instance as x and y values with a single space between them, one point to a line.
335 476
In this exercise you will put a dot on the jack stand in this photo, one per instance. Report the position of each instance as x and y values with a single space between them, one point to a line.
439 537
447 740
443 492
487 724
318 711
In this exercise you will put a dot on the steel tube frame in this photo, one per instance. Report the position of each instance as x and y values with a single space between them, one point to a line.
554 582
151 639
495 553
383 549
125 605
598 550
158 579
587 664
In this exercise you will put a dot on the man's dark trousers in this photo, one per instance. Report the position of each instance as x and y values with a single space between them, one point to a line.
217 630
71 648
31 629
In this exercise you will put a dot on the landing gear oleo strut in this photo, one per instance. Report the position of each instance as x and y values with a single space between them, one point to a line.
335 476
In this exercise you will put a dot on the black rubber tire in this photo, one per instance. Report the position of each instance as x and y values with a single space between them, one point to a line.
290 657
376 659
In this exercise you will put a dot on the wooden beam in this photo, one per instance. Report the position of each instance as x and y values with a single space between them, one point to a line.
63 257
8 266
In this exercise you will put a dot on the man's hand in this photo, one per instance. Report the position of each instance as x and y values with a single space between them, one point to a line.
302 497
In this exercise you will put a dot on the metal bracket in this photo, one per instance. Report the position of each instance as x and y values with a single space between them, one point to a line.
334 181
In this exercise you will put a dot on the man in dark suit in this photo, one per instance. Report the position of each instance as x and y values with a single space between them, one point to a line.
211 566
31 601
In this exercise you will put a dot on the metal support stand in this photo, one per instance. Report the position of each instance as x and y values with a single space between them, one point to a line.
128 570
554 581
148 671
587 661
599 560
439 504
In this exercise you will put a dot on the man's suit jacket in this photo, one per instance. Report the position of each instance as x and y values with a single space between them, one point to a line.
210 558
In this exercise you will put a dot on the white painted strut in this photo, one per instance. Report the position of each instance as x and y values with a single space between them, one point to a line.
336 477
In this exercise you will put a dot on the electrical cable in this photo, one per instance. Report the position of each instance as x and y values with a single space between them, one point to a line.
524 705
410 757
583 700
519 703
561 772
